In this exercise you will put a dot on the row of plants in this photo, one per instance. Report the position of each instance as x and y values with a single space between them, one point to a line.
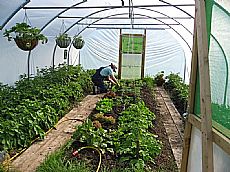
178 91
34 106
174 85
120 129
27 37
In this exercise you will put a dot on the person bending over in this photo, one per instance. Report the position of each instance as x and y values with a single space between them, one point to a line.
104 73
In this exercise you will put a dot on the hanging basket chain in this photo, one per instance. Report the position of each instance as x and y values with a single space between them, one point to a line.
26 19
63 40
63 28
78 41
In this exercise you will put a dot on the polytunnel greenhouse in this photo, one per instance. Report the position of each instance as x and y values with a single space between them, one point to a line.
114 86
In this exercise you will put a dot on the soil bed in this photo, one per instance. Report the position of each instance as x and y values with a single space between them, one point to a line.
165 161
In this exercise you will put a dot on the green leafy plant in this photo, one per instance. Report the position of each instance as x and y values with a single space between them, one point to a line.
178 91
148 82
78 42
134 142
131 142
98 137
25 36
25 31
105 105
63 36
63 40
159 78
34 106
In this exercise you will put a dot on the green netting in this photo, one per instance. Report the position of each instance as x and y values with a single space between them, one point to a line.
132 44
132 50
218 24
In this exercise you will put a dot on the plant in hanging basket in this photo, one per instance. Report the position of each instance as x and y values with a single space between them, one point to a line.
25 36
63 40
78 42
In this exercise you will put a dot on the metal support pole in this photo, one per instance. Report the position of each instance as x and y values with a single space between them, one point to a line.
28 65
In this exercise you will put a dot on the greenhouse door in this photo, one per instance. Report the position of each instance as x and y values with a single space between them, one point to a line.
132 56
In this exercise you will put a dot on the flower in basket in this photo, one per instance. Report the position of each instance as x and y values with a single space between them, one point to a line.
63 40
25 36
78 42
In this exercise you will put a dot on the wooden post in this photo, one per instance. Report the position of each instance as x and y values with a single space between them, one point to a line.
205 92
120 56
143 56
192 92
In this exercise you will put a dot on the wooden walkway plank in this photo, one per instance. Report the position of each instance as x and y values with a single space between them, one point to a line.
172 122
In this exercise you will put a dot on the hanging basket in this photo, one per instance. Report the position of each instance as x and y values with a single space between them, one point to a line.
26 44
78 42
63 42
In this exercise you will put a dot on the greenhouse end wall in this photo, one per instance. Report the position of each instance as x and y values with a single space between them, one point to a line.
221 160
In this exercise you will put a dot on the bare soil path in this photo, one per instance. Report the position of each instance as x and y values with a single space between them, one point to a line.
168 125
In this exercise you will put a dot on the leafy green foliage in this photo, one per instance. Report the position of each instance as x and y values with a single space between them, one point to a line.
56 163
134 142
105 105
131 141
178 91
24 31
159 78
148 82
63 36
97 137
34 106
78 42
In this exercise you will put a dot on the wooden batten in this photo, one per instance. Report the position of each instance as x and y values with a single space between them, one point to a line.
186 146
192 91
193 75
205 92
143 56
218 138
120 56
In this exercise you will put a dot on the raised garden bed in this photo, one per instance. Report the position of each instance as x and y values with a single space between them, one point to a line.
124 131
122 134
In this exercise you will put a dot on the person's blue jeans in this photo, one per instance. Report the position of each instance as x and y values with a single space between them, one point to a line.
101 85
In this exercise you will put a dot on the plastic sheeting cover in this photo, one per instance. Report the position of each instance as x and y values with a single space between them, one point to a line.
168 47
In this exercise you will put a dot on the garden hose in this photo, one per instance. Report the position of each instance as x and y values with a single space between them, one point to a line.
16 155
75 153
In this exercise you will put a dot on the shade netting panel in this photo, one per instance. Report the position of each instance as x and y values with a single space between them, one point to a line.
218 24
